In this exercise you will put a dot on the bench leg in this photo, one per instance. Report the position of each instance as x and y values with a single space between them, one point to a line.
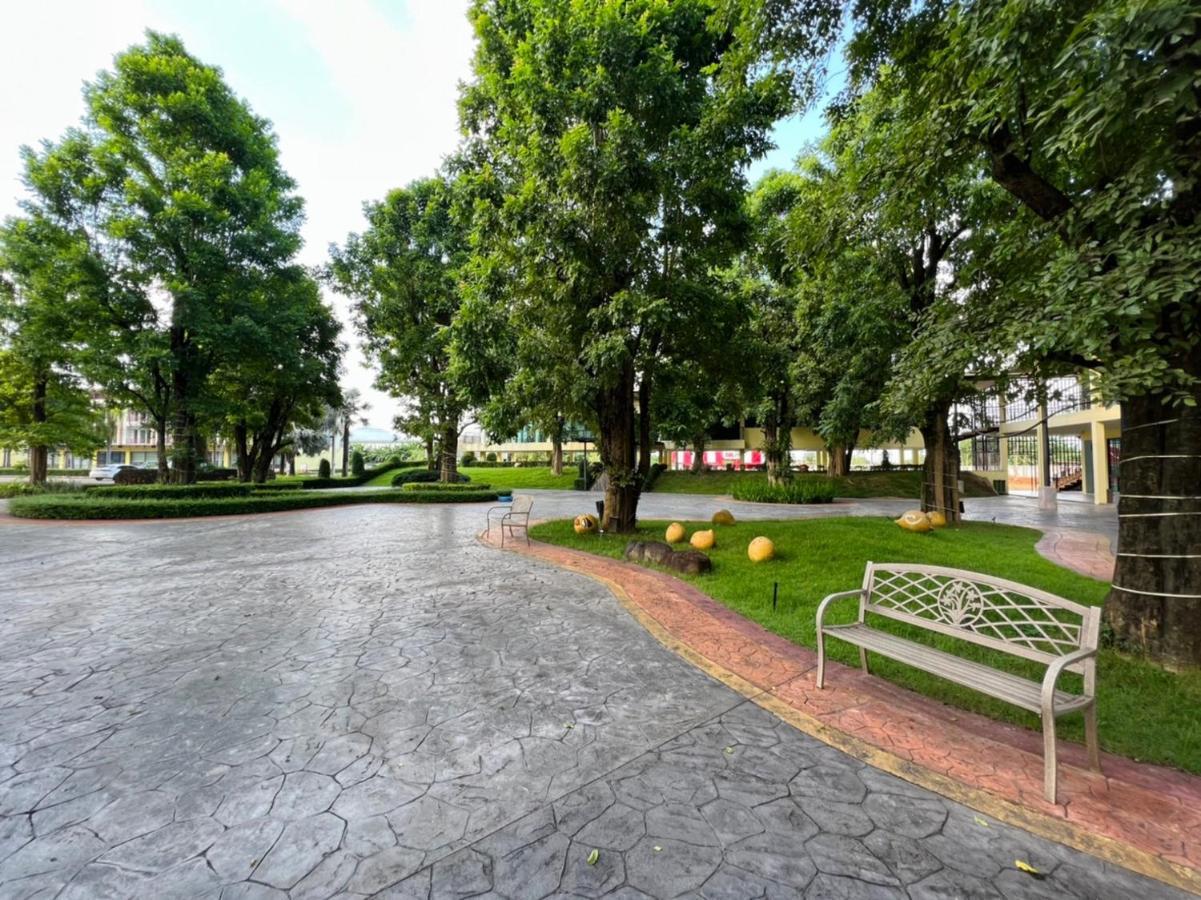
863 660
1090 738
1050 763
821 660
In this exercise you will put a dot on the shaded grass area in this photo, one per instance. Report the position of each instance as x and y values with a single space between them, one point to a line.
1144 712
88 506
857 484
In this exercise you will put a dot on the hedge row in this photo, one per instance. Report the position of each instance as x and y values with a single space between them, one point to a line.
89 506
801 491
315 484
167 491
426 486
424 476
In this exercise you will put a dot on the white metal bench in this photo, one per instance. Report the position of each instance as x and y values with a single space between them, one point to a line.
989 612
513 515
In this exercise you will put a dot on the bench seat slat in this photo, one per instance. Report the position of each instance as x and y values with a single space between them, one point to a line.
1013 689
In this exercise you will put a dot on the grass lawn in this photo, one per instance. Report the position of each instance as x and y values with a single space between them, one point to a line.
525 477
1144 712
857 484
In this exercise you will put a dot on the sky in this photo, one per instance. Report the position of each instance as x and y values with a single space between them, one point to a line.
361 94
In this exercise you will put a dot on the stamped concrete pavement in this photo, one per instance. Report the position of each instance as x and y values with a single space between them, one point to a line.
364 701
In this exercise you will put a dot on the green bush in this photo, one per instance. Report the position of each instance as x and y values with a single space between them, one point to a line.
808 490
652 476
357 466
426 486
91 506
423 476
323 469
467 459
25 489
168 491
491 457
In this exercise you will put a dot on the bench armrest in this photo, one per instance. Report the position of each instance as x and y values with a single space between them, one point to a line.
1054 671
841 595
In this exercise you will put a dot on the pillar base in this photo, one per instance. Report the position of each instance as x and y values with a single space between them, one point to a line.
1048 498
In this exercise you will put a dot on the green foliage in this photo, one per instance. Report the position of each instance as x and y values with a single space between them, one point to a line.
467 459
805 490
323 469
24 488
357 466
424 486
490 456
168 491
1146 713
88 506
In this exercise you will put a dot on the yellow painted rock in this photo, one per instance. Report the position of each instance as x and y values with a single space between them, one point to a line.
761 549
703 540
723 517
937 519
585 524
914 520
675 533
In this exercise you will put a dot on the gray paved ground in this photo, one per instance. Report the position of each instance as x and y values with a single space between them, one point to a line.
362 700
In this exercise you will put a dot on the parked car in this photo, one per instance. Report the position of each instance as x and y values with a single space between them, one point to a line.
106 473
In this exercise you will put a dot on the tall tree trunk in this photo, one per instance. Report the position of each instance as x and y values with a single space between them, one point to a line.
183 424
698 453
242 460
345 446
615 412
160 446
940 479
644 428
840 459
556 451
38 453
448 468
1154 606
431 459
292 463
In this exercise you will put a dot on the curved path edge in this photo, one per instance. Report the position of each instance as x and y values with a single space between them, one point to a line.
1142 817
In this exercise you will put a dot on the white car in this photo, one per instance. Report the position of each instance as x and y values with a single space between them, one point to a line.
109 472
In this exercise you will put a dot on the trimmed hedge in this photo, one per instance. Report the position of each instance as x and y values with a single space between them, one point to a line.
319 483
424 476
167 491
426 486
89 506
807 490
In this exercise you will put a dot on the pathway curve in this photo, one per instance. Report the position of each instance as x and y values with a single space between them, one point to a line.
364 700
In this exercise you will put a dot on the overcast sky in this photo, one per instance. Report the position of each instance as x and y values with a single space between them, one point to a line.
361 94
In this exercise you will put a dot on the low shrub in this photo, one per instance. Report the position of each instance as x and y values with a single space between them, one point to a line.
460 486
491 457
357 466
136 476
92 506
807 490
168 491
652 476
323 469
424 476
467 459
25 489
215 473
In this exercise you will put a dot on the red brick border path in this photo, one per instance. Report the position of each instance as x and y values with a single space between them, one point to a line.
1081 551
1143 817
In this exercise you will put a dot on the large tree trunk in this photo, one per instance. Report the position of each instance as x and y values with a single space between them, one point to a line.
698 454
160 446
345 446
1154 606
38 453
243 462
556 451
644 429
615 412
431 459
448 468
840 459
940 480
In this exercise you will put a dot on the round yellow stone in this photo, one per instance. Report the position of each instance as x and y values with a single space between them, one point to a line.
723 517
761 549
675 533
937 519
585 524
914 520
703 540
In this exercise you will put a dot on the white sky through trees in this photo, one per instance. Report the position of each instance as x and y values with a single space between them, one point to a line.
361 94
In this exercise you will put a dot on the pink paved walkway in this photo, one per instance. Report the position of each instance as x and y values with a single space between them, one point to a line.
1082 551
1141 816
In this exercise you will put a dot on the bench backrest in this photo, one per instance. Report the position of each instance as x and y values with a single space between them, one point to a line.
522 503
984 610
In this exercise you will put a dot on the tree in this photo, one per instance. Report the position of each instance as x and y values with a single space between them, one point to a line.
43 401
174 184
608 142
404 273
1088 114
350 411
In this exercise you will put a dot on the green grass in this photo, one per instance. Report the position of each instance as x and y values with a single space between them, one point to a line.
524 477
857 484
1144 712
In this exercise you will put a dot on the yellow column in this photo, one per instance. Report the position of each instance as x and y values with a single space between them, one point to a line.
1100 463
